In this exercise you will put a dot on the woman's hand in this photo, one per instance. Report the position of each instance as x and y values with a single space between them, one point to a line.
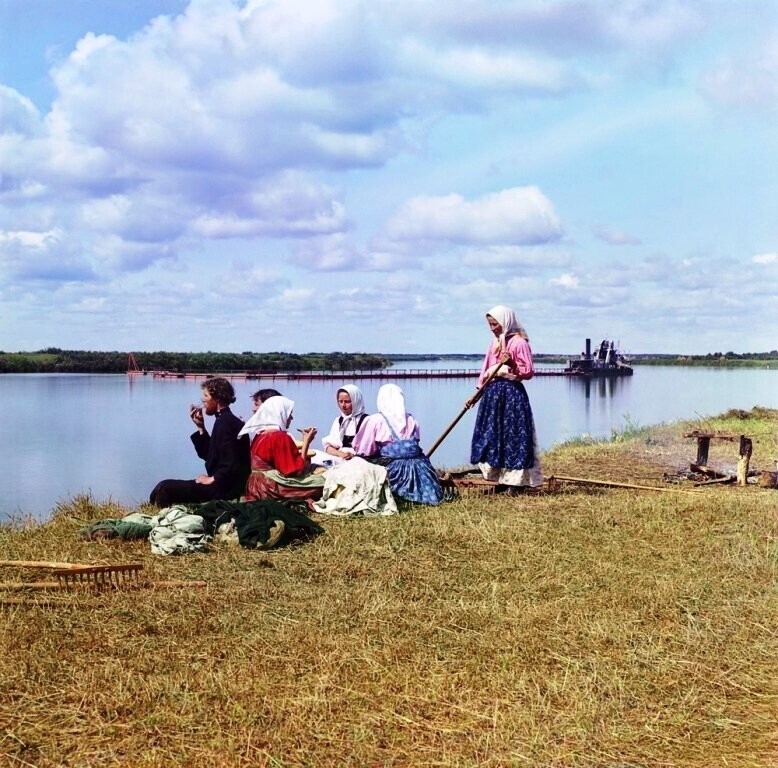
308 434
205 479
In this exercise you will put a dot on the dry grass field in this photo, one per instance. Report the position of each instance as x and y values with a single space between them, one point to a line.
589 626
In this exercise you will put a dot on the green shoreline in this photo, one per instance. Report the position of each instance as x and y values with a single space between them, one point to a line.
54 360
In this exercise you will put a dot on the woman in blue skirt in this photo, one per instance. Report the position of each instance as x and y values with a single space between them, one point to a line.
391 438
504 445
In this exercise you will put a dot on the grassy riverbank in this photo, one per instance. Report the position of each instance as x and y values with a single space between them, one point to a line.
586 627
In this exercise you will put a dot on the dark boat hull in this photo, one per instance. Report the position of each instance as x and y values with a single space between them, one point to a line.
607 361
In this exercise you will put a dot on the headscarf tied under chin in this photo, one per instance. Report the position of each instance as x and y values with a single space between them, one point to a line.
510 324
274 414
357 407
390 401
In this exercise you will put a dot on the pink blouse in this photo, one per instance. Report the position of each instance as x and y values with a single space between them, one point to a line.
520 353
375 432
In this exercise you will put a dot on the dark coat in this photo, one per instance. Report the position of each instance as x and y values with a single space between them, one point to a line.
225 454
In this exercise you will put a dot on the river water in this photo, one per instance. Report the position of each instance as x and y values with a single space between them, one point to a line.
115 436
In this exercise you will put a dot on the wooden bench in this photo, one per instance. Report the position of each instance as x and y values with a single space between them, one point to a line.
703 446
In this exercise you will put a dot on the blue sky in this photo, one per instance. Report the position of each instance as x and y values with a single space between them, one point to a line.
373 176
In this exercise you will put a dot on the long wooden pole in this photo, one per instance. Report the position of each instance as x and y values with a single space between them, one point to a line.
44 564
470 403
612 484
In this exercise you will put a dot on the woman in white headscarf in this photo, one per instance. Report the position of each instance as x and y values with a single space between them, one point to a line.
338 442
391 437
279 468
504 445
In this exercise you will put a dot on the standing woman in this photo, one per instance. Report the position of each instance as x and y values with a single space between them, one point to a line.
352 413
504 445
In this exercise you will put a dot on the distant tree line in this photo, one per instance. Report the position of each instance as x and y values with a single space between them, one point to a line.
54 360
712 359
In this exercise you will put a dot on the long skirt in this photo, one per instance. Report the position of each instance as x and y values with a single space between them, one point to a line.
271 484
410 474
503 444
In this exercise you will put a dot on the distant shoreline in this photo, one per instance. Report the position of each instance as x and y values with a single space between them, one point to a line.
729 360
54 360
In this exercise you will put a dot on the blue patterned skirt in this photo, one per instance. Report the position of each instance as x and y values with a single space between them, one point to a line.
410 473
504 433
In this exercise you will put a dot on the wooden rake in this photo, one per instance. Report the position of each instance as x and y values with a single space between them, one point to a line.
91 578
72 576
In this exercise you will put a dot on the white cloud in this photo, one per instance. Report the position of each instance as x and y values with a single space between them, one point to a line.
514 257
18 115
42 257
488 70
615 236
521 215
246 158
329 253
566 280
750 80
565 27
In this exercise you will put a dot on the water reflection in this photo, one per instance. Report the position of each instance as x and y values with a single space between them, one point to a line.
116 436
600 386
604 401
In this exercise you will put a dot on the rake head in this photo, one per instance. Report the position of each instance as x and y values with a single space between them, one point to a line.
98 577
77 575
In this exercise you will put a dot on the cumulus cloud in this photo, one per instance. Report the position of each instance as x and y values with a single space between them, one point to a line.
566 280
479 68
271 156
521 215
42 257
567 27
18 115
218 124
333 253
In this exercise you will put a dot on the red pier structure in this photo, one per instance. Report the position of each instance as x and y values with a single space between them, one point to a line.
132 366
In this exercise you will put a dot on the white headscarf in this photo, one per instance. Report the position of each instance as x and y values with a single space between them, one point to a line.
357 407
390 401
510 324
274 413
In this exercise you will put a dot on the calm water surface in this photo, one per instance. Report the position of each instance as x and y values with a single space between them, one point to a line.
114 436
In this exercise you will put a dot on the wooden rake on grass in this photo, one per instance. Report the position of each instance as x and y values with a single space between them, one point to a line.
72 576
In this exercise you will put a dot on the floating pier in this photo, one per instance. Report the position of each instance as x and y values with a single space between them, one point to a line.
133 369
383 373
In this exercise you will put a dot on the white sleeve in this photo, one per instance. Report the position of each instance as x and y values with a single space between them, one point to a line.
333 438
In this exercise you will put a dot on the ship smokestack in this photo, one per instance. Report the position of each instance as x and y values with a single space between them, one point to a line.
588 348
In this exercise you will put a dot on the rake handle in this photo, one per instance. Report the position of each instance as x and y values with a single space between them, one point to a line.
470 403
41 564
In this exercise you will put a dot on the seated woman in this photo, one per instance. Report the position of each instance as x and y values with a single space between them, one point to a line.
260 396
338 443
391 437
279 468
